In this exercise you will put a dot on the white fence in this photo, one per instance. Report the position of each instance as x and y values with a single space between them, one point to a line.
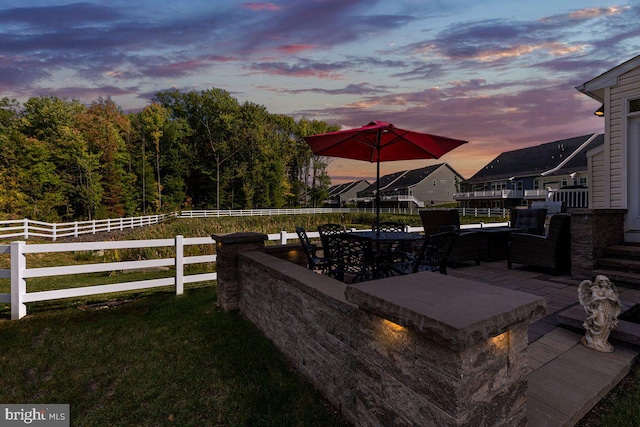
19 272
475 212
26 228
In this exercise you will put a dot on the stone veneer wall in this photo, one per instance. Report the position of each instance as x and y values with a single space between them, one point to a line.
592 230
394 351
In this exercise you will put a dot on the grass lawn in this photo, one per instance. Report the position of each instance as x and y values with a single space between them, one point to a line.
155 360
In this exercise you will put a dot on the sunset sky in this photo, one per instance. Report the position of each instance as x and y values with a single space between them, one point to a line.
498 73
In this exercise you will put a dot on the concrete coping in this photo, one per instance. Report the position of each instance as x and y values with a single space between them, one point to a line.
455 312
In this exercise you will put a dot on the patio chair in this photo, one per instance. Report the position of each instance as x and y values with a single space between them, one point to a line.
326 231
466 247
551 251
350 257
314 261
432 255
389 227
530 221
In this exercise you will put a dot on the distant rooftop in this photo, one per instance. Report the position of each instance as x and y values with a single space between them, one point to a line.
546 157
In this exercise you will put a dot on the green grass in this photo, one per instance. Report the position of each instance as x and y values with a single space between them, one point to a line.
157 360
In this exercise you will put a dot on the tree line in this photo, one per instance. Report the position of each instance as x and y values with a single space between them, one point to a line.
63 160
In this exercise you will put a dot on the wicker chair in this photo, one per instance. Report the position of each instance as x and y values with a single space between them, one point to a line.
432 255
466 247
314 261
530 221
551 251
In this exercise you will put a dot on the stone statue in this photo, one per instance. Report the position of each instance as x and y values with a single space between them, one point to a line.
600 301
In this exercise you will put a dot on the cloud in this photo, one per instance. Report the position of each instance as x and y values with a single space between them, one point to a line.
261 6
351 89
295 48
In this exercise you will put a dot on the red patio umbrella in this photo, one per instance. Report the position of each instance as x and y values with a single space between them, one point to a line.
381 142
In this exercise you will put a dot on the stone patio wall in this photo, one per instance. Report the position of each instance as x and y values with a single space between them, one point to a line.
422 349
592 230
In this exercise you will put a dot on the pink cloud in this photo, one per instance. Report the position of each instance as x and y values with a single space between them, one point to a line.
295 48
262 6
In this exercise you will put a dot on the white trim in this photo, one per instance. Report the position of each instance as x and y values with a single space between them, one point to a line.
608 79
625 145
595 151
571 156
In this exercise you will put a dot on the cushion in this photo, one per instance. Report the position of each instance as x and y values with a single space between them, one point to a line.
529 220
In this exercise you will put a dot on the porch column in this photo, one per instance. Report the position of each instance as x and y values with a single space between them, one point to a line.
228 246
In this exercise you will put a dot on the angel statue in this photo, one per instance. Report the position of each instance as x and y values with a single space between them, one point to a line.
600 301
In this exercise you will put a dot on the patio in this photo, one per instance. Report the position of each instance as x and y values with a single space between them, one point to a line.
565 380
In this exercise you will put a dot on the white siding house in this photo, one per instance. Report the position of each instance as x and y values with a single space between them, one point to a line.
615 168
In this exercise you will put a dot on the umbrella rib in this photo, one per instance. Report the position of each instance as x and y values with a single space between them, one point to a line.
399 138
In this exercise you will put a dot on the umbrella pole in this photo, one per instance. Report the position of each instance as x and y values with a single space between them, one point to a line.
379 139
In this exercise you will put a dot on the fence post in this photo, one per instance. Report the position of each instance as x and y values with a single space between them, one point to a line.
179 265
283 237
75 229
18 283
26 228
55 231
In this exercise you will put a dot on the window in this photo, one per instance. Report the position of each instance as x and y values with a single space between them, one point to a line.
499 185
564 182
583 181
634 105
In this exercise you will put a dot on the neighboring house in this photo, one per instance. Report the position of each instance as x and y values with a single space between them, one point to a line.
344 195
614 166
552 171
431 185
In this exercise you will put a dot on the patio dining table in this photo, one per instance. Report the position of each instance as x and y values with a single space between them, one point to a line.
389 236
382 246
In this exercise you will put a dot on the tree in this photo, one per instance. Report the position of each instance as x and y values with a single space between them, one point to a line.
212 117
104 126
308 172
153 120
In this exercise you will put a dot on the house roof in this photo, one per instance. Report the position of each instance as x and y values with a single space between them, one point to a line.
596 86
338 189
552 158
405 179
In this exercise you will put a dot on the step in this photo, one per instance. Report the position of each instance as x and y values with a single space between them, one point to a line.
620 278
625 251
621 264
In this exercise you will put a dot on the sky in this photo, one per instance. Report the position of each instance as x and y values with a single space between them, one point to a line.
500 74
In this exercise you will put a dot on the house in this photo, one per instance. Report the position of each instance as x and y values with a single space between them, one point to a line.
552 171
343 195
416 188
614 166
